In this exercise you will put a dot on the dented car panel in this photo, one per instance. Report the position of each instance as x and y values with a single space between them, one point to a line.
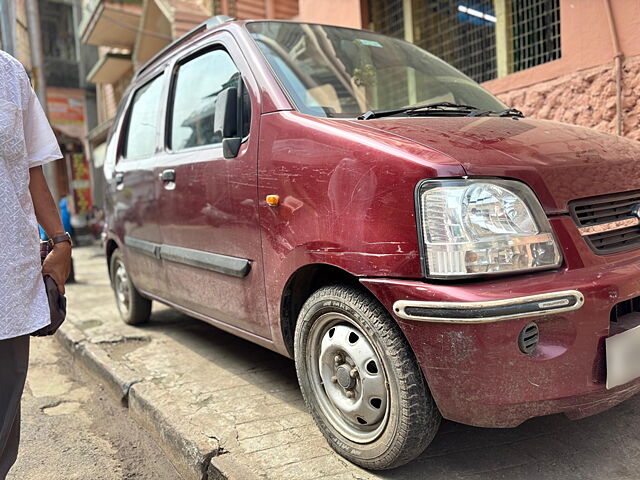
344 200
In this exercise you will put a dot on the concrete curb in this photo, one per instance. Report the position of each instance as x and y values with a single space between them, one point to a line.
186 456
224 467
117 378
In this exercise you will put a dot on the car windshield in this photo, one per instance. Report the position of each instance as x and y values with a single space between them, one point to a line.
340 72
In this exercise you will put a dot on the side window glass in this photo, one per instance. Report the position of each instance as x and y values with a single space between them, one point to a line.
197 86
143 120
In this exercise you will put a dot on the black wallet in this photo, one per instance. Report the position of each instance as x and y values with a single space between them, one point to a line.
57 301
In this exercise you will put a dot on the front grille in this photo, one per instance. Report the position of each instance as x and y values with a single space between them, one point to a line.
603 210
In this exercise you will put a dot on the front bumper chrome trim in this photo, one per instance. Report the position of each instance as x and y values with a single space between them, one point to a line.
491 310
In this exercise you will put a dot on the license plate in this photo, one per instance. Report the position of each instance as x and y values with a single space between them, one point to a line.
623 357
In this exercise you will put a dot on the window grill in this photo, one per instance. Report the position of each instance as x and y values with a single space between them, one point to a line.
464 38
387 17
536 32
482 38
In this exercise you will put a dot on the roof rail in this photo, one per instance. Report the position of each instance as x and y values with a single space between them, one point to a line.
206 25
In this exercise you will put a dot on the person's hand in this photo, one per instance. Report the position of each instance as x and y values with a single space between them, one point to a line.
58 264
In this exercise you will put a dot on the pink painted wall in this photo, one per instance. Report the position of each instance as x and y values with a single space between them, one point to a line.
344 13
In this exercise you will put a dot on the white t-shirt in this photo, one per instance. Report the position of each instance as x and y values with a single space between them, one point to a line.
26 141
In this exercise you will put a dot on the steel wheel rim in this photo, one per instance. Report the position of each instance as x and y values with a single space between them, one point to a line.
336 346
122 287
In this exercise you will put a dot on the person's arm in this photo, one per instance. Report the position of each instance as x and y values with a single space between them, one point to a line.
58 262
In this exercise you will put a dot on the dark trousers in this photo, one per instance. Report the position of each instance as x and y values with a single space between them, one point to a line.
14 360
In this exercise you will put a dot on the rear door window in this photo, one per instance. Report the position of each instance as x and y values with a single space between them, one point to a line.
143 120
198 82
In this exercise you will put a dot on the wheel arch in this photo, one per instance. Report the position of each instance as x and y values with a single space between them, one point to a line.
301 285
110 246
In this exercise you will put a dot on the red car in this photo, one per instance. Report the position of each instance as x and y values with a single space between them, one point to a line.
353 202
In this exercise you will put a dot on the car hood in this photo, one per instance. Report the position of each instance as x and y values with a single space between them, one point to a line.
560 162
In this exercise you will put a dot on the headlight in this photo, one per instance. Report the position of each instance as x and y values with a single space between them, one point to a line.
481 226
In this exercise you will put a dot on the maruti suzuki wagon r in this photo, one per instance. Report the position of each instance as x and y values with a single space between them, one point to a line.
349 200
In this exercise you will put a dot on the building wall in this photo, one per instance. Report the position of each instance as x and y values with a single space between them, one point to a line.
257 9
580 87
586 98
23 47
344 13
586 41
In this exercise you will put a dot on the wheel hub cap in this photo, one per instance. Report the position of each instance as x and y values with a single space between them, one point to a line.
344 378
352 383
122 288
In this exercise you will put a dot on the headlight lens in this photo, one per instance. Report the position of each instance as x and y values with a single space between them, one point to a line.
479 227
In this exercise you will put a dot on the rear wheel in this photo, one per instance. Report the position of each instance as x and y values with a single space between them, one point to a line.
361 380
134 308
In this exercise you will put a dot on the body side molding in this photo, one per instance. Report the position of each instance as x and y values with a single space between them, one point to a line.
233 266
143 246
225 264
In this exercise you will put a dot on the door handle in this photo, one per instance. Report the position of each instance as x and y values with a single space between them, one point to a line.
168 175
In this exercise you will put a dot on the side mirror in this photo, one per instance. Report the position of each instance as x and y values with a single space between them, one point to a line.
225 122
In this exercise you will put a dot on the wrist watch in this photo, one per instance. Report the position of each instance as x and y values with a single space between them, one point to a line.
60 239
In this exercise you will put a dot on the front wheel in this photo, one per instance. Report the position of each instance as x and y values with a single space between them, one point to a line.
361 381
134 308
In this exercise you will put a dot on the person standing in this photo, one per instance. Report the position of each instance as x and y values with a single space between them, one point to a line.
26 143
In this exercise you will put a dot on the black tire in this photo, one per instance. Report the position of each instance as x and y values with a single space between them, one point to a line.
411 418
134 308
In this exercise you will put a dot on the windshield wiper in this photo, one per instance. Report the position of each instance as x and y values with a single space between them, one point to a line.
509 112
445 107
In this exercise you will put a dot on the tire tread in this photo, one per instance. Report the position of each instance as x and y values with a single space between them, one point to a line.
419 416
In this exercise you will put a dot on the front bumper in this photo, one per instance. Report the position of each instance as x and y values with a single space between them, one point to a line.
476 371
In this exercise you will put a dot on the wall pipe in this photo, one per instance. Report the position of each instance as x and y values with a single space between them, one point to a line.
618 57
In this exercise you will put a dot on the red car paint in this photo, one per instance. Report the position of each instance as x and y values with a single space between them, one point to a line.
346 191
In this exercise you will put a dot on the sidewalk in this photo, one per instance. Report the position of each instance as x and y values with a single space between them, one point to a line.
73 430
221 407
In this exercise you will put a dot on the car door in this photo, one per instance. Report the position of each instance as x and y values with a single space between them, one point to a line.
135 187
208 203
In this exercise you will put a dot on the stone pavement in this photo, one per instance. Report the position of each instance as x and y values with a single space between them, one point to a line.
73 430
221 407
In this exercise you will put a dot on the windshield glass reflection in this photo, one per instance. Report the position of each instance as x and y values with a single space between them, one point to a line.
340 72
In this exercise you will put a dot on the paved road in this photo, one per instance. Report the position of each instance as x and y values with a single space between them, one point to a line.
73 429
222 392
